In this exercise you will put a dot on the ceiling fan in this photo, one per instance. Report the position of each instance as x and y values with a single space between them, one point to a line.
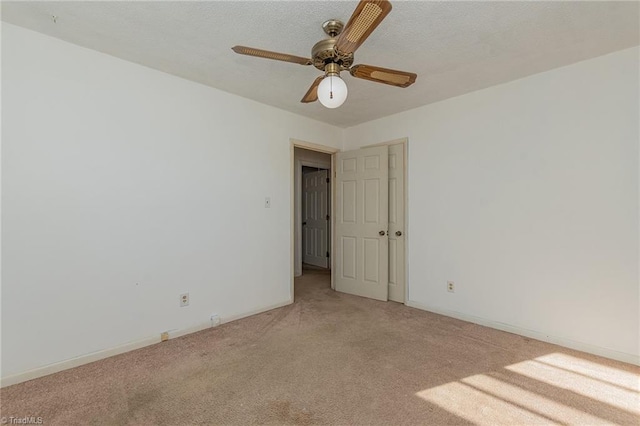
335 54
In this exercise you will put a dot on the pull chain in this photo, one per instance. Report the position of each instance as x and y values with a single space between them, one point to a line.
331 89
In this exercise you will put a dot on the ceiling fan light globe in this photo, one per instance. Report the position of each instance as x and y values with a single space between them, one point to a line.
332 91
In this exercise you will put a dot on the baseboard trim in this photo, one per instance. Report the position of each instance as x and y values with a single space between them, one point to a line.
127 347
561 341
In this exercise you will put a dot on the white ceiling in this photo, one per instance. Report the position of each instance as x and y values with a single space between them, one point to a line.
454 47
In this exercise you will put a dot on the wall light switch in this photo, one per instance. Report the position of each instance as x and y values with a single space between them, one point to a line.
267 203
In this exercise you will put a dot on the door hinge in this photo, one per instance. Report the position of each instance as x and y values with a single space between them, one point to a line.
327 180
327 254
328 217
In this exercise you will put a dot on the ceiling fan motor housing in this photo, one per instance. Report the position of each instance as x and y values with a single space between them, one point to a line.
323 52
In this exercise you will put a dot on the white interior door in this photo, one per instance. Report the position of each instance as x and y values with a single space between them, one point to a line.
314 218
396 223
362 210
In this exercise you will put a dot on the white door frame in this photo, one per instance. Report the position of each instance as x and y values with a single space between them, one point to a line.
296 143
407 234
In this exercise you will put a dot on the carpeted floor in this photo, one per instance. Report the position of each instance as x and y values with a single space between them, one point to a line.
332 358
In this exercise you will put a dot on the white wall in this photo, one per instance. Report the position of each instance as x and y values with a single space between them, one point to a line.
526 196
308 158
124 187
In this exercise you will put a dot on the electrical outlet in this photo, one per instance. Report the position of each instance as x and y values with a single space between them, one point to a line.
184 299
451 287
215 320
164 336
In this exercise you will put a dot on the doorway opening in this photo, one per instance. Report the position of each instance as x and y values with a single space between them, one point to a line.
311 210
349 219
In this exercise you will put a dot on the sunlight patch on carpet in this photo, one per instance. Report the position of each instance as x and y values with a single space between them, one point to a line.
478 406
562 377
614 376
484 399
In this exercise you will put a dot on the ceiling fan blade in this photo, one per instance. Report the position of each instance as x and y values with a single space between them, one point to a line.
244 50
312 93
364 20
384 75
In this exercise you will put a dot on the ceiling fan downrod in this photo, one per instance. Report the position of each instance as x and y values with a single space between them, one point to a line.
333 27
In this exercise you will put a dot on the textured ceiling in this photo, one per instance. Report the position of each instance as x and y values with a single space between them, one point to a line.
454 47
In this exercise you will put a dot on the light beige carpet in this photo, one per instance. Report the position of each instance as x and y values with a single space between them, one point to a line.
332 358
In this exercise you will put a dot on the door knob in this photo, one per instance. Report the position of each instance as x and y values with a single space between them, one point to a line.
398 233
382 233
